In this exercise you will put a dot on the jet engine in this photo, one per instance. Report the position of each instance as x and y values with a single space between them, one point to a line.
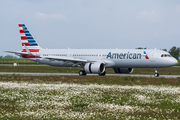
95 67
123 70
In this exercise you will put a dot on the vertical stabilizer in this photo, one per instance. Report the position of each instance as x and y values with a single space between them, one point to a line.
28 40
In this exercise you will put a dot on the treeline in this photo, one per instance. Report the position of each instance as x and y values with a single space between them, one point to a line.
9 57
175 52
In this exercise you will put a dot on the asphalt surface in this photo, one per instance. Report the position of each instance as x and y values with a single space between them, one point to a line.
75 74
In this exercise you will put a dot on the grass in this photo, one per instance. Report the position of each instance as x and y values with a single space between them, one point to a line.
88 97
106 80
50 69
94 97
178 63
19 61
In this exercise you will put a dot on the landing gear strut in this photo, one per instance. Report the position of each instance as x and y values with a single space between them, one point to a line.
156 73
82 72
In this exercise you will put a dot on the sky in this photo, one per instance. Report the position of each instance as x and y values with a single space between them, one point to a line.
91 24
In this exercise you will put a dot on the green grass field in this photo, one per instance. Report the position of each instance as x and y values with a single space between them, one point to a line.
18 61
92 97
50 69
88 97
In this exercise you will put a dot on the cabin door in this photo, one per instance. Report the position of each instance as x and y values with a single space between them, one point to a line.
152 56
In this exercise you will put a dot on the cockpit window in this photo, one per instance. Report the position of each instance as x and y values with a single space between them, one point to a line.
165 55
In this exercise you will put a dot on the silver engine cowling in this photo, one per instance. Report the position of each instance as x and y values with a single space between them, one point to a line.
123 70
94 67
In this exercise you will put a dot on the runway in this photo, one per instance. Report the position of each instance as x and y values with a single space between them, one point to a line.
75 74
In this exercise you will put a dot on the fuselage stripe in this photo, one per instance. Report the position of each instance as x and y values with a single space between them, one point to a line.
31 50
30 56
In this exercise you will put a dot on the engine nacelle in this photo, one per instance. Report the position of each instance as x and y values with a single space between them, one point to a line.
123 70
94 67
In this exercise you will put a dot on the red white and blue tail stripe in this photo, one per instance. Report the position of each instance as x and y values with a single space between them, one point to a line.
28 40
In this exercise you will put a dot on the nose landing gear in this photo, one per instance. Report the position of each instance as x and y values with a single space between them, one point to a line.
156 73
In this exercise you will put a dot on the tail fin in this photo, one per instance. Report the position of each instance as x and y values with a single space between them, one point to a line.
28 40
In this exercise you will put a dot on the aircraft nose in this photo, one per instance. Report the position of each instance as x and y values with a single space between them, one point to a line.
173 61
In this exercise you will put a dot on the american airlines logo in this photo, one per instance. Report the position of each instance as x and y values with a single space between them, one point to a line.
124 55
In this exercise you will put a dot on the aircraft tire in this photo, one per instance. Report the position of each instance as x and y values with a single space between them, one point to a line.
156 74
82 72
102 74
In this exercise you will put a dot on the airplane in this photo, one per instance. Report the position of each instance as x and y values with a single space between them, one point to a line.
94 60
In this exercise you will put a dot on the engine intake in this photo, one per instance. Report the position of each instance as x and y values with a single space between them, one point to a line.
123 70
94 67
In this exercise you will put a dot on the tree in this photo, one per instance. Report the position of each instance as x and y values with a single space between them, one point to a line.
175 52
141 48
9 57
164 50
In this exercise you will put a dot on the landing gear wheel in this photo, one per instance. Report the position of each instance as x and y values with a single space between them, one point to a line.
82 72
156 74
102 74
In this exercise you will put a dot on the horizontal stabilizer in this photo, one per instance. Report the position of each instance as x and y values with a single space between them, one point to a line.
21 53
17 52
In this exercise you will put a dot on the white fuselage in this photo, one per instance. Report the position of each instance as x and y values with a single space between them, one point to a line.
123 58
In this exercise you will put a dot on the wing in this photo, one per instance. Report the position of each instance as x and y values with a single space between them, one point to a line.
66 60
69 59
76 62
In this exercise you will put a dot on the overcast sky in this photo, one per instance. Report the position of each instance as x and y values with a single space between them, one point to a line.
123 24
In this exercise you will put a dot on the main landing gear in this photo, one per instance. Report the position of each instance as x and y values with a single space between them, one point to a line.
82 73
102 74
156 73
